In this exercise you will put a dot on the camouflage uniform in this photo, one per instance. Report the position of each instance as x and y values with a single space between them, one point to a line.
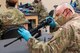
40 10
1 10
66 40
11 16
78 4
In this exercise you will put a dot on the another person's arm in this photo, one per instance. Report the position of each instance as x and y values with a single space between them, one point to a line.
58 43
43 11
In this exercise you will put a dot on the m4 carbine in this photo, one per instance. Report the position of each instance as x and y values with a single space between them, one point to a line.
33 31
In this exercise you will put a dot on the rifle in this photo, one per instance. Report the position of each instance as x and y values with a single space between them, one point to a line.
33 31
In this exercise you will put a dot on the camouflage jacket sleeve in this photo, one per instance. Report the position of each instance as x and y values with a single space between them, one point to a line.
12 17
78 4
43 11
39 8
57 44
35 7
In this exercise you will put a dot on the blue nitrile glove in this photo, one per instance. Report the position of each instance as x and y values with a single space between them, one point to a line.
51 21
73 4
24 33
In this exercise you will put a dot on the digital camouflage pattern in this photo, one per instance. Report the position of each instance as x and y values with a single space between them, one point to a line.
66 39
78 4
1 10
40 9
11 16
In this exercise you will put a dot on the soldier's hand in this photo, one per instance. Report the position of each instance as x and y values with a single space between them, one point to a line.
24 33
51 21
73 4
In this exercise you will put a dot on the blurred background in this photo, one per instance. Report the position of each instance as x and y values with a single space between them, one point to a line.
47 3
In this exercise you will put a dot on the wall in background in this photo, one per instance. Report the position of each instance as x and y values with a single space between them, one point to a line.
47 3
2 2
